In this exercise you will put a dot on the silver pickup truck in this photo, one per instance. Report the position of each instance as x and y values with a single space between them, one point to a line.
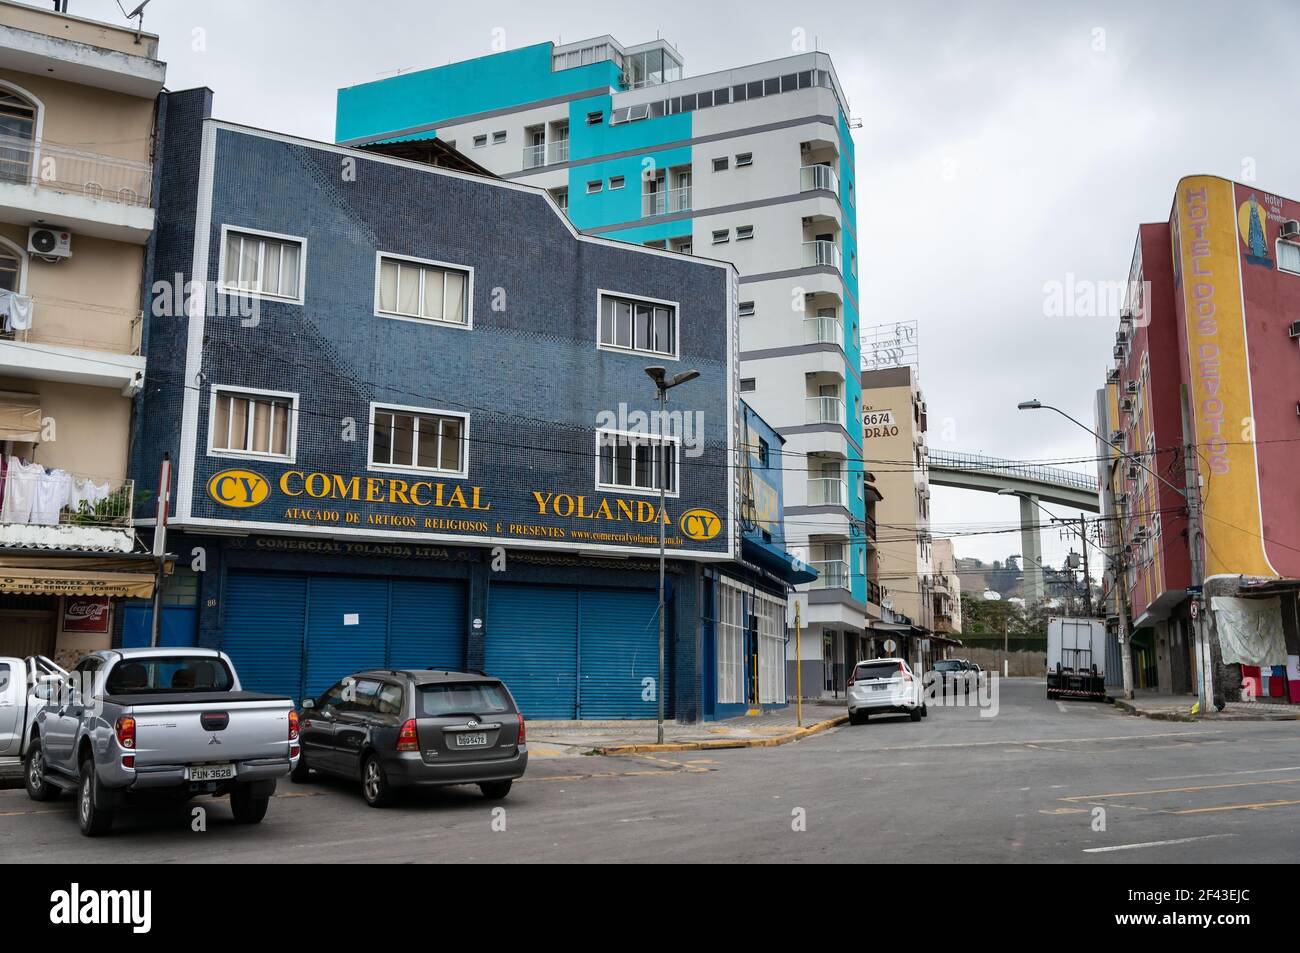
25 685
165 723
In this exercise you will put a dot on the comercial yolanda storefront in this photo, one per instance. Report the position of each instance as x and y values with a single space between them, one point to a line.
415 427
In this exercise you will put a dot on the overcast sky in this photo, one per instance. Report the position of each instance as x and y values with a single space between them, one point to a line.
1003 146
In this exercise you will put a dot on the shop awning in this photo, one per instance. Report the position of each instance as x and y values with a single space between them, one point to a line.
72 577
776 561
20 417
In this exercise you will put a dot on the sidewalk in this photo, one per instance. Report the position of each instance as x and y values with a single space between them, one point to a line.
1179 708
556 739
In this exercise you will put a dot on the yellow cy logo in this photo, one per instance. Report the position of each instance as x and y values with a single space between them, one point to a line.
238 488
700 524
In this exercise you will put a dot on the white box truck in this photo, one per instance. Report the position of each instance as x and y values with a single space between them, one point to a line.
1076 658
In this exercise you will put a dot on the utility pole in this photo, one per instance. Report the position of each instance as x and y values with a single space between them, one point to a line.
1087 581
1192 494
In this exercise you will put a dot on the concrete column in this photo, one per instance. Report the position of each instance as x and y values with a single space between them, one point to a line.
1031 549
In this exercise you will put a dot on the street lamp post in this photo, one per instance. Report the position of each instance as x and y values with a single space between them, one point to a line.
1205 681
662 385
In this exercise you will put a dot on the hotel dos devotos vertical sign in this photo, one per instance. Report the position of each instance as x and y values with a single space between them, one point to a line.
388 505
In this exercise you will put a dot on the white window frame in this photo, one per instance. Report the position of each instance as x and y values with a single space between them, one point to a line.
746 309
616 182
262 295
468 271
724 232
644 438
480 141
595 186
376 405
602 293
744 233
238 390
500 136
1277 253
744 159
729 639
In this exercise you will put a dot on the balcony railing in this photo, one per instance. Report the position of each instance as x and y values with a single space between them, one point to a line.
823 330
65 169
666 201
823 410
821 252
813 177
91 501
831 574
827 491
546 153
83 324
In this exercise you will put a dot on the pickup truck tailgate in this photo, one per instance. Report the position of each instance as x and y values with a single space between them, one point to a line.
208 727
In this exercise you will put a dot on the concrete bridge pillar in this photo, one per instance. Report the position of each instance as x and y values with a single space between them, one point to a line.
1031 549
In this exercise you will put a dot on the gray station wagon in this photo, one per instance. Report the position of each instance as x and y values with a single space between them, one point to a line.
407 728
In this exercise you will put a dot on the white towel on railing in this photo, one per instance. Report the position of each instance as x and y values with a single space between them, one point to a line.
52 492
16 310
21 484
85 490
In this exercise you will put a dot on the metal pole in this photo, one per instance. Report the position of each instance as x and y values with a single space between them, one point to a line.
160 547
1087 583
1205 673
798 665
663 474
1125 645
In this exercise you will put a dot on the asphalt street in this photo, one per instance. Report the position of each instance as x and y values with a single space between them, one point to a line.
1042 781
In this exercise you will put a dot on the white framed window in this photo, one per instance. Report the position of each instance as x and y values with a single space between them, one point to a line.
615 182
418 440
731 644
1288 257
420 289
643 325
748 384
498 137
721 236
746 309
720 164
631 462
744 232
770 615
260 264
743 159
594 186
595 118
480 141
254 423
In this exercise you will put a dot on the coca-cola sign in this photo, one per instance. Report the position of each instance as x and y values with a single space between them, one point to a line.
86 614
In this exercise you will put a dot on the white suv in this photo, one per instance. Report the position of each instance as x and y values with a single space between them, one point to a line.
884 686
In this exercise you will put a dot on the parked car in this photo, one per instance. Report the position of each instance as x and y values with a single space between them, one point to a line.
884 686
415 728
951 674
25 685
163 723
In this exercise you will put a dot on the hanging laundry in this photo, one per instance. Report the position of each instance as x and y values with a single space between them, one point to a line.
1293 679
52 494
21 483
15 311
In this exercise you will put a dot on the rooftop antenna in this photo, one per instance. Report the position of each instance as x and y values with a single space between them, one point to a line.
137 15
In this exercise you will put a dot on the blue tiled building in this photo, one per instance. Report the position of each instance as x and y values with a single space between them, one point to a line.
411 426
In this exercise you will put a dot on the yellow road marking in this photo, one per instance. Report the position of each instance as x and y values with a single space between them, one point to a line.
1202 787
1258 806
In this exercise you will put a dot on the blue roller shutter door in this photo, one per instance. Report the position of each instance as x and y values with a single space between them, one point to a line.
426 624
570 653
263 631
347 629
532 645
619 649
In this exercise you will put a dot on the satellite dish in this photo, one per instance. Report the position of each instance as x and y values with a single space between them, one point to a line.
992 595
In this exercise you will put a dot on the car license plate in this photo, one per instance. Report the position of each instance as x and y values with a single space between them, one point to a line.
879 688
212 772
471 739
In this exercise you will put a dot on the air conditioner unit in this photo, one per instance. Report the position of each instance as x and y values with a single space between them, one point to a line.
49 243
1112 376
1121 337
1116 436
1290 229
1126 318
1131 387
1126 405
1294 329
1140 532
1118 352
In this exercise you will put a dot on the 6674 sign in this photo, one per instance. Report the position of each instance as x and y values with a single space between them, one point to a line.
879 423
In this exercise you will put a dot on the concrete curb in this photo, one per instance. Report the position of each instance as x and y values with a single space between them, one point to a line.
1130 709
797 735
